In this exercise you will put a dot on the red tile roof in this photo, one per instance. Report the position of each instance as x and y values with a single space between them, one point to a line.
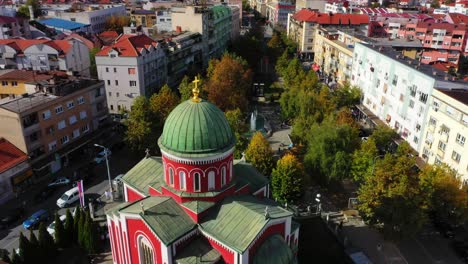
62 46
443 66
458 18
129 45
30 76
10 155
445 25
307 15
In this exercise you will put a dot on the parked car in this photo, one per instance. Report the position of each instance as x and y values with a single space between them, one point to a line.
38 217
101 156
59 181
11 218
68 198
51 227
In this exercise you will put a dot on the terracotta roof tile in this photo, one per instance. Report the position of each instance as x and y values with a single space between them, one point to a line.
458 18
30 76
308 15
10 155
129 45
21 44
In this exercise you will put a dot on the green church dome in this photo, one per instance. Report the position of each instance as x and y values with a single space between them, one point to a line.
196 129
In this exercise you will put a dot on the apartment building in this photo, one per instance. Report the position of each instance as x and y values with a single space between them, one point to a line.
163 20
444 137
277 12
14 170
235 21
50 124
316 5
302 26
393 25
42 54
144 18
16 83
94 15
397 89
132 66
11 27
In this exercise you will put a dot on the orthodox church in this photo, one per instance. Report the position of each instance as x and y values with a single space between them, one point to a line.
195 203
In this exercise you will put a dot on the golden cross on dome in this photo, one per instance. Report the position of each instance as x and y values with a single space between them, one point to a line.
195 90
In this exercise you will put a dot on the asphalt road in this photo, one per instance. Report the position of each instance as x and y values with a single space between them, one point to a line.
120 162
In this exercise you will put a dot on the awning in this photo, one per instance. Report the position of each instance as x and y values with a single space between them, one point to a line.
21 177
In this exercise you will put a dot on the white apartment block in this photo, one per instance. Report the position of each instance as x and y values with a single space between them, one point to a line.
397 89
132 66
446 132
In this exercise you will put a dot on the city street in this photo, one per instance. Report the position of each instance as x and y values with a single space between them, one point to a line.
120 162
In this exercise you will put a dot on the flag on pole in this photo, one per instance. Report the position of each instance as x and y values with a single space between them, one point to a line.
81 193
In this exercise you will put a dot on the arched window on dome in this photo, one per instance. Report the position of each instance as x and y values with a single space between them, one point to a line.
196 181
145 251
171 177
223 176
231 171
211 180
182 182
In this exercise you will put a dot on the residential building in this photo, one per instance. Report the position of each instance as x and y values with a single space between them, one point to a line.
277 12
138 30
316 5
16 83
64 26
235 21
51 124
196 202
445 135
43 54
130 67
144 18
397 89
393 25
14 170
163 21
459 7
12 27
94 15
302 26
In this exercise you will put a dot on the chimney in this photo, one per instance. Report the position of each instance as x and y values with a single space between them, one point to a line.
178 29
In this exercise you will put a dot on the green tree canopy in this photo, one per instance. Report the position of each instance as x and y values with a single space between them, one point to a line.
259 153
59 234
68 228
346 96
92 60
383 137
287 179
185 89
117 23
15 258
239 128
162 103
26 251
142 129
46 242
364 160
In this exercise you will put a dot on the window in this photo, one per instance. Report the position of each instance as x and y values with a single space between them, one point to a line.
145 251
111 107
85 128
72 120
14 83
423 98
110 94
70 104
83 115
444 130
171 177
46 115
442 145
76 133
4 83
115 69
415 139
80 100
182 184
53 145
460 139
61 125
395 80
450 110
223 176
413 90
117 94
64 140
108 82
432 121
411 104
456 157
132 83
211 180
58 109
107 69
116 83
131 71
196 181
50 130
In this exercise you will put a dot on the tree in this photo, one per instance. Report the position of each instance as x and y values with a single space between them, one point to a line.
92 60
185 89
346 96
142 128
230 82
392 198
275 45
117 23
76 223
383 137
162 103
286 179
81 229
59 235
15 258
344 117
23 11
91 236
364 160
447 195
5 256
238 127
46 242
282 63
25 249
33 239
259 154
68 228
36 252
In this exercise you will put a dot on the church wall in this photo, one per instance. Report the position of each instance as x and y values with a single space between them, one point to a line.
135 228
227 192
228 255
203 168
132 195
113 240
273 229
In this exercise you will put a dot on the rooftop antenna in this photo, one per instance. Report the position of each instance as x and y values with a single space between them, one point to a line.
147 151
142 208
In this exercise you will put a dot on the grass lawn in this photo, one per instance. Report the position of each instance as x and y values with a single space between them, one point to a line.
318 245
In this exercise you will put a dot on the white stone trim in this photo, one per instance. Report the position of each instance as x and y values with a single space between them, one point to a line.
140 235
126 187
126 239
111 238
166 255
198 161
263 189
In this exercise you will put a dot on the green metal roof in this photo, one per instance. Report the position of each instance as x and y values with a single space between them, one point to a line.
198 251
239 219
245 174
164 216
198 206
147 172
196 129
115 209
274 250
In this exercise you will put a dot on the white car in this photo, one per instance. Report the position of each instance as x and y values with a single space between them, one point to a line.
51 227
101 156
68 198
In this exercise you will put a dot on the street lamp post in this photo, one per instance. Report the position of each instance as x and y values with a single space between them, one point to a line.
319 205
106 152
